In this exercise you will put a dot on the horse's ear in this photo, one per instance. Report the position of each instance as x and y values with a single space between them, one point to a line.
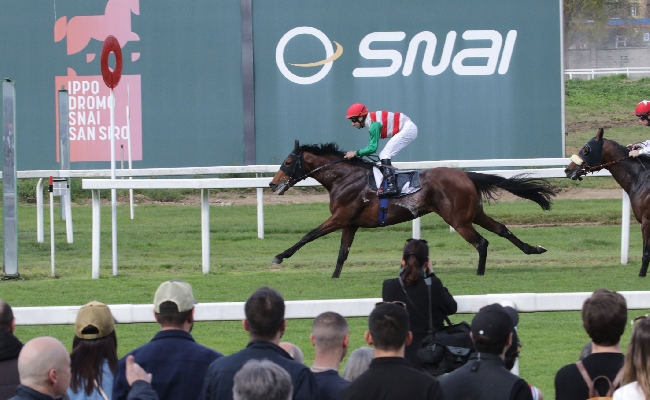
599 136
297 146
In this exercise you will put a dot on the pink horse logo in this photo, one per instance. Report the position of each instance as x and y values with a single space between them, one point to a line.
116 21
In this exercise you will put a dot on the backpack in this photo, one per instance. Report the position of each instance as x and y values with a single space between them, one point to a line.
593 394
446 349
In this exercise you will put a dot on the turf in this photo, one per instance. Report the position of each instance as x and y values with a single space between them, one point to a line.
163 242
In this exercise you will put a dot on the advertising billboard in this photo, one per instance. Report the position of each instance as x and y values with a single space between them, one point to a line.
479 78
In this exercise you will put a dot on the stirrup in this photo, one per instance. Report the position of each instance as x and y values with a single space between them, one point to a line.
391 189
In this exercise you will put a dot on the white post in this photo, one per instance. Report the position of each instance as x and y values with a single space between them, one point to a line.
40 234
625 229
205 229
96 226
128 146
260 213
416 228
52 232
113 191
68 214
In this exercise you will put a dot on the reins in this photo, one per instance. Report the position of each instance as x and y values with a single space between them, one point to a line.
293 181
607 164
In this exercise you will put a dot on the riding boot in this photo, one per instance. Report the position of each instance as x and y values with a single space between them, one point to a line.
389 177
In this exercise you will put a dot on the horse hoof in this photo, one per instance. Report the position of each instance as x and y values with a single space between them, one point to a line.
276 260
541 250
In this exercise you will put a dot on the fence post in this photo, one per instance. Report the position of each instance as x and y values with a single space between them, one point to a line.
9 182
625 228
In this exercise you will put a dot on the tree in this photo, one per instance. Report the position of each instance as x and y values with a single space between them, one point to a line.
584 21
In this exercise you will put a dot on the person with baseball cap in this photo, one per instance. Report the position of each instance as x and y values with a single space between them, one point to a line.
485 376
642 111
177 363
394 126
94 353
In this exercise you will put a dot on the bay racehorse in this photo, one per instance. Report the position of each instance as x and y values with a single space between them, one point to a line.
632 174
456 196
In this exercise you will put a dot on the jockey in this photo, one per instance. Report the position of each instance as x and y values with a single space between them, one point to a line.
394 126
642 148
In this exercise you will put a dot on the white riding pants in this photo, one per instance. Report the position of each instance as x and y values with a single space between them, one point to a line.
398 141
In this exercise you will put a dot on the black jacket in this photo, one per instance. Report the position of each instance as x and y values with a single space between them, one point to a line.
570 385
442 305
9 349
26 393
489 381
390 378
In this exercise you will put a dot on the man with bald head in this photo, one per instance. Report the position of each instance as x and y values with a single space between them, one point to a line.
44 368
9 349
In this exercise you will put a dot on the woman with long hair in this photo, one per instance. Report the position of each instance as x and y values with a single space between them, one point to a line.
411 288
636 368
94 353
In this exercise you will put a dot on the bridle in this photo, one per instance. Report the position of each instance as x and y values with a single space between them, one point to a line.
587 169
587 155
298 167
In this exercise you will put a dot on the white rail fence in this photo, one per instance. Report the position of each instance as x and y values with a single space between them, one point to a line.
541 170
232 311
206 184
591 73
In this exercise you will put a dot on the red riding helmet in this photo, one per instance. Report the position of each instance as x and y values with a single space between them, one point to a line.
357 110
643 108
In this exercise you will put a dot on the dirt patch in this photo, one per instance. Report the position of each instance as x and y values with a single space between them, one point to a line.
585 126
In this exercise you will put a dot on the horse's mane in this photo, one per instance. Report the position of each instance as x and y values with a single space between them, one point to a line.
645 161
618 146
325 149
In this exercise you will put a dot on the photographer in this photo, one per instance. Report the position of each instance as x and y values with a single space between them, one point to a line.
410 288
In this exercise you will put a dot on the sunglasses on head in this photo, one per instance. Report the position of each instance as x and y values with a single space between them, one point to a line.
643 117
638 319
354 119
399 303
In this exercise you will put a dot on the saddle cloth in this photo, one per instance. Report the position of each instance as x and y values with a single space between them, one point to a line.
408 182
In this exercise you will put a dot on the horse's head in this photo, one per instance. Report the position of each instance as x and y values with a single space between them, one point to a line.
291 170
588 157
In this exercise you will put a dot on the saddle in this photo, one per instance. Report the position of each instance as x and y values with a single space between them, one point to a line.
408 182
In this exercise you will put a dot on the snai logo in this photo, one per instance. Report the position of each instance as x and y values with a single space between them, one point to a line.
326 63
497 56
89 108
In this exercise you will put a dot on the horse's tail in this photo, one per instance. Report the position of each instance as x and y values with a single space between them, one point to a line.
536 189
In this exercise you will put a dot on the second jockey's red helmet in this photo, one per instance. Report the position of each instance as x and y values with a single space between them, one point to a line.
356 110
643 108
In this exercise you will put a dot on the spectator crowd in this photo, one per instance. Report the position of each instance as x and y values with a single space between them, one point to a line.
172 365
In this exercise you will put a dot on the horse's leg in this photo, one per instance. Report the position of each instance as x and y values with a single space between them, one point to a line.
491 225
329 226
347 237
645 230
470 234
